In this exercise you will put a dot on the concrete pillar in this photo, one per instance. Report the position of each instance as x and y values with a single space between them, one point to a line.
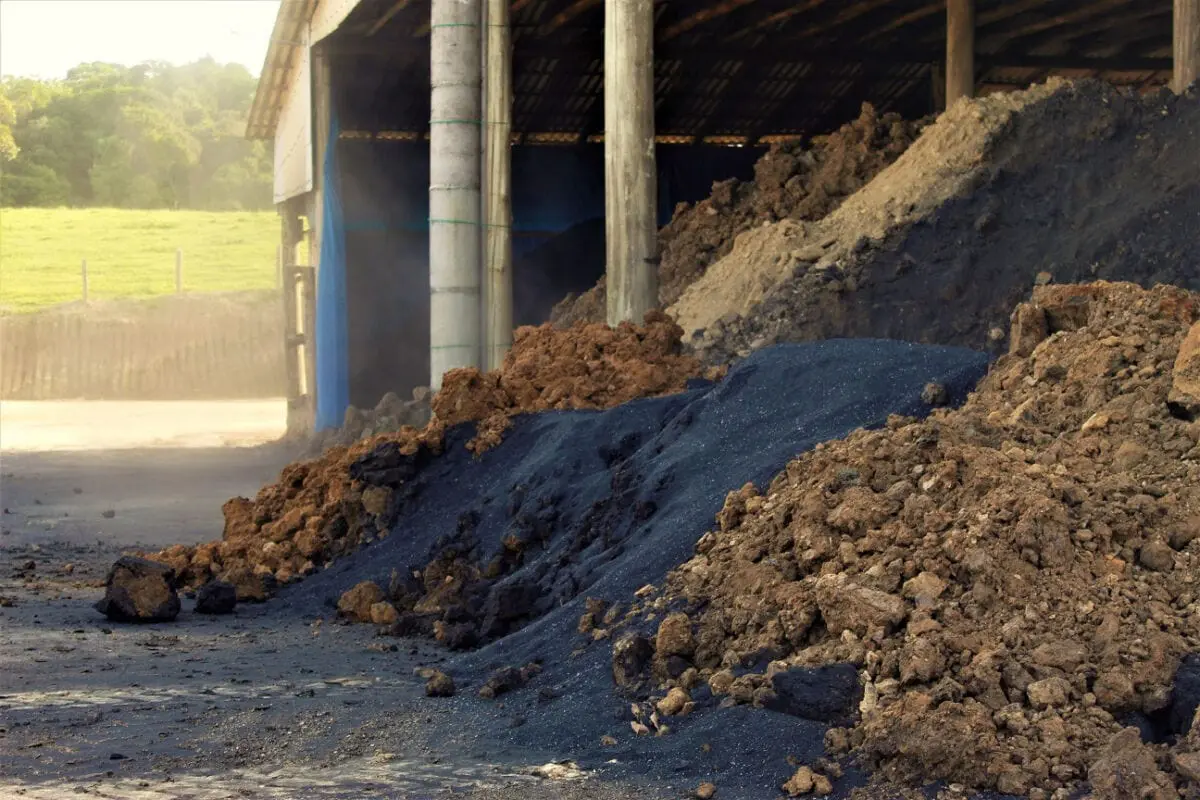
630 180
1187 44
960 50
454 167
497 171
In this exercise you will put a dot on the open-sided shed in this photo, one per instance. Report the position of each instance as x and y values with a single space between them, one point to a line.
442 114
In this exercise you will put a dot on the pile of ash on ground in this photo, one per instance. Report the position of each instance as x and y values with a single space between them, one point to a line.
498 552
794 180
1063 182
1015 580
390 415
326 507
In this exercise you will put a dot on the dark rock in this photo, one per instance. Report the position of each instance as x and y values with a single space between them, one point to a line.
439 685
829 694
1185 694
506 679
409 624
506 604
139 590
631 655
216 597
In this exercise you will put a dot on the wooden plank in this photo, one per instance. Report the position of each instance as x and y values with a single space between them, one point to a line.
630 181
1186 36
960 50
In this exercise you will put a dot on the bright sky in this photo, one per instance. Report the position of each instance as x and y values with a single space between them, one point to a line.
45 38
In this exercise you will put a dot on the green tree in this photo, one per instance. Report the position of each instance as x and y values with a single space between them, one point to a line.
8 116
149 136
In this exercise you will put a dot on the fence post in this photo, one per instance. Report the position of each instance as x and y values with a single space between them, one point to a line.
279 266
83 270
179 271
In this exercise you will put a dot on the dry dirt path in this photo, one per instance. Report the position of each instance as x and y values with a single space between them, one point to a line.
261 705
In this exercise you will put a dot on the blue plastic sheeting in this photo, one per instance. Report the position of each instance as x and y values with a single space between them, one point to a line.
332 338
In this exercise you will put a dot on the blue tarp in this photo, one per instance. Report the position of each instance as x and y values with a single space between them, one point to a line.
332 339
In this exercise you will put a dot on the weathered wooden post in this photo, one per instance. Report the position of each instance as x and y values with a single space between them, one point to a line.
1187 44
630 180
179 270
497 168
455 73
84 275
960 50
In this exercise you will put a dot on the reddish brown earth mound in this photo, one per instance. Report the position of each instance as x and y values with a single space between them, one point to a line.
1011 578
317 512
594 366
794 180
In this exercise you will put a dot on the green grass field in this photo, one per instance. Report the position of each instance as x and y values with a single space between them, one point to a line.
130 253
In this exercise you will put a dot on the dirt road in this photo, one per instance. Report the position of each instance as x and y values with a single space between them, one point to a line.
262 704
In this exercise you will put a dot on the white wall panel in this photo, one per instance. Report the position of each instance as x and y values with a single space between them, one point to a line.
293 134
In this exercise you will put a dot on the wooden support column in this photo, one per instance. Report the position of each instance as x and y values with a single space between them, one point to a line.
455 71
1187 44
497 195
960 50
630 179
292 230
322 99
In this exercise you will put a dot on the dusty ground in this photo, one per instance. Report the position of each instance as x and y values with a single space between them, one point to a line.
255 706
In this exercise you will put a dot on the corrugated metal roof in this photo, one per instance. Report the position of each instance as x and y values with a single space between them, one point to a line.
747 69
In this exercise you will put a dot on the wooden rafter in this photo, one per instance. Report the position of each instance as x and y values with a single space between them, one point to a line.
1140 24
1003 39
777 18
705 15
848 14
936 8
569 13
395 9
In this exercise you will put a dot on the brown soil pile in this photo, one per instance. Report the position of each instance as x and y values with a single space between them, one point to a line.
1010 578
794 180
1076 180
319 510
595 366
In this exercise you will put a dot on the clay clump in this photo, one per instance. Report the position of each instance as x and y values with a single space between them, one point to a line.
139 590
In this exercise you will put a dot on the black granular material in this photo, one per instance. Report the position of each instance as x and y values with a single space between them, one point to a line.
605 502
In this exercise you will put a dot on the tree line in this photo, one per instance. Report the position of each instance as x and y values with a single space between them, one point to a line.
153 135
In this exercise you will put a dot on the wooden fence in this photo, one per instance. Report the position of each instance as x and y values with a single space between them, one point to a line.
195 346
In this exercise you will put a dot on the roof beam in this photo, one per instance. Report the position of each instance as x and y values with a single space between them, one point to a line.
935 8
707 15
395 9
1093 8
